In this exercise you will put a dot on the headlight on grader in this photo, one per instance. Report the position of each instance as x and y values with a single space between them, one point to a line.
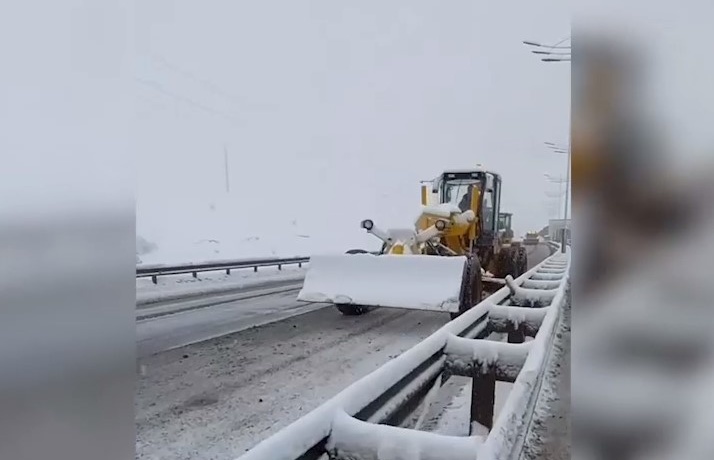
440 225
367 224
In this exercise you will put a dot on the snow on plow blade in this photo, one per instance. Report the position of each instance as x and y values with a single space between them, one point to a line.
401 281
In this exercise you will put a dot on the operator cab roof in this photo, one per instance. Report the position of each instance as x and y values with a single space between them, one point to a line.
475 169
462 173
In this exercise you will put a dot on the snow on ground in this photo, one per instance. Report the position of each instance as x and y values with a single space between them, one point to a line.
228 247
454 419
550 434
173 286
216 399
218 235
191 326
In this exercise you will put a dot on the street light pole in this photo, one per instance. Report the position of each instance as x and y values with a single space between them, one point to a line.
548 50
558 53
560 181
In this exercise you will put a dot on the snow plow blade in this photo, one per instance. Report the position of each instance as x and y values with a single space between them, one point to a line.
418 282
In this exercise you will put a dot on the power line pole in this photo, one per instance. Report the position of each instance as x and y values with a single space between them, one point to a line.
228 182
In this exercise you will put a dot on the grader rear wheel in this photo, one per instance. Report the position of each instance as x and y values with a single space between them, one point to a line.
350 309
506 263
522 261
471 286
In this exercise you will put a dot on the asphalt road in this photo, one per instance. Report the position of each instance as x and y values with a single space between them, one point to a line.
216 398
219 317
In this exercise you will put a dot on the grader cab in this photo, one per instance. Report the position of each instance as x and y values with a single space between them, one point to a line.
437 264
504 226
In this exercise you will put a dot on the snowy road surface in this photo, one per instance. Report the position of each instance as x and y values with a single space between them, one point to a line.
174 286
202 323
218 398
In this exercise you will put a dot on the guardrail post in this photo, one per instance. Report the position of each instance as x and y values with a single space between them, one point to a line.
517 336
483 398
255 269
280 267
154 279
194 274
299 264
228 271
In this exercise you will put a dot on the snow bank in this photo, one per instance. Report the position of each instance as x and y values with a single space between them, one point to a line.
231 246
172 287
400 281
356 440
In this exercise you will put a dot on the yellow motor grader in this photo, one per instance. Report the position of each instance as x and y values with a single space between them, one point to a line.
436 265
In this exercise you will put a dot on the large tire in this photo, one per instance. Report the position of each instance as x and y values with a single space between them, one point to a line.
351 310
471 286
348 309
522 261
506 263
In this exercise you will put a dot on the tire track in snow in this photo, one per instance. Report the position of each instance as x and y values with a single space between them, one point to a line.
229 393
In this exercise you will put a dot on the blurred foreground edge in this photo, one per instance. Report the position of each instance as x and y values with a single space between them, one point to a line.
67 335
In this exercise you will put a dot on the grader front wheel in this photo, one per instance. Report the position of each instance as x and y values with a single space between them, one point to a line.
471 286
522 261
351 309
506 263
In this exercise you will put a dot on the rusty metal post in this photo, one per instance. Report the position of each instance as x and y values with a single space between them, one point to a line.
483 397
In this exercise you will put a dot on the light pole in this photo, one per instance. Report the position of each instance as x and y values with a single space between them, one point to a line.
560 181
561 150
557 53
555 208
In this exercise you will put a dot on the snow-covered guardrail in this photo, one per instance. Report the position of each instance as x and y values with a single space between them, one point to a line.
362 422
155 271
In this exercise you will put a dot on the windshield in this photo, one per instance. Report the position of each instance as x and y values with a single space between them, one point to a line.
504 221
456 191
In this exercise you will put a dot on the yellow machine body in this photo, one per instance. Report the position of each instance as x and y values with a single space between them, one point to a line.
419 268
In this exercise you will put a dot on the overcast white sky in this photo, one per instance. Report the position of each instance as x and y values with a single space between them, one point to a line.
332 112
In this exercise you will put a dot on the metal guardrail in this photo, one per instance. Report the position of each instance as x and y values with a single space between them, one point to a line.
363 419
154 271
